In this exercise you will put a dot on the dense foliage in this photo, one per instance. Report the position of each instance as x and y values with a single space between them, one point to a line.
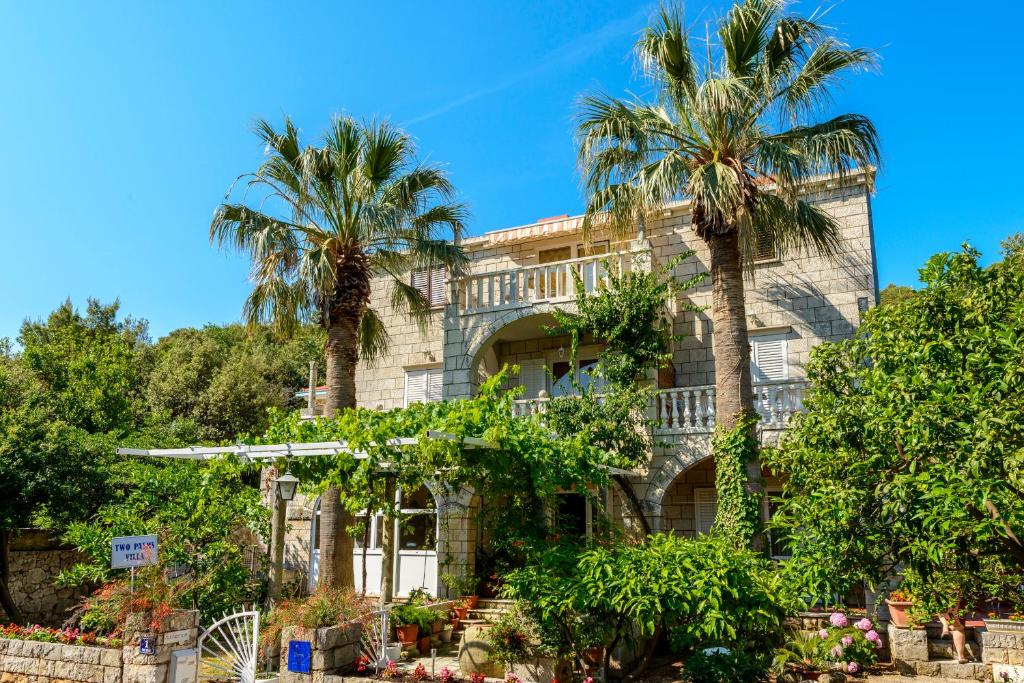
701 593
83 383
912 451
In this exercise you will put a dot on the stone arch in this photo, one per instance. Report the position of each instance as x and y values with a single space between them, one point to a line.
682 459
483 336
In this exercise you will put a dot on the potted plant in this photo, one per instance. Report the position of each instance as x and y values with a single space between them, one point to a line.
899 601
1012 623
446 633
463 587
461 609
406 619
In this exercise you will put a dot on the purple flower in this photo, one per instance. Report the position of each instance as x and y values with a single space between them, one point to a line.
839 620
878 644
823 633
837 651
847 641
852 667
872 635
864 624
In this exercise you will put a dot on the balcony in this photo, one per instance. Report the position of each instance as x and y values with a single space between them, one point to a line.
544 283
691 410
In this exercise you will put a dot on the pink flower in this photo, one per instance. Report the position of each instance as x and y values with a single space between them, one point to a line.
847 641
852 667
588 679
872 635
839 620
864 624
837 651
878 644
823 633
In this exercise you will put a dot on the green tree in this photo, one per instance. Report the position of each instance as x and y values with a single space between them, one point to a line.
738 134
894 294
356 206
911 453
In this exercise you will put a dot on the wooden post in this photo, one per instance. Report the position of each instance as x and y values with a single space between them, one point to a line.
311 400
387 588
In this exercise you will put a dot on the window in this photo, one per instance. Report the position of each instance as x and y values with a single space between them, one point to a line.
765 248
554 255
418 530
533 376
706 504
562 380
769 357
423 386
595 249
572 515
376 530
430 283
778 544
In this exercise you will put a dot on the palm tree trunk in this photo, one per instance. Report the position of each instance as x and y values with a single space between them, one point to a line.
336 543
734 396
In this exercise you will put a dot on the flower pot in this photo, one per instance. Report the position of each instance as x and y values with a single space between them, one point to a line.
809 675
446 633
407 633
898 613
471 601
393 652
424 645
461 612
1005 625
436 627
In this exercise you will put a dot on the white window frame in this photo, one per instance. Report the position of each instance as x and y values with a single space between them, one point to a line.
766 517
437 373
588 511
755 366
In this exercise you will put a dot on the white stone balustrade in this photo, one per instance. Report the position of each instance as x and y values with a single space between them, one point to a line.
548 282
691 410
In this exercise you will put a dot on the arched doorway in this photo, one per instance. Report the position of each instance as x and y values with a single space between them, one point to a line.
690 503
415 547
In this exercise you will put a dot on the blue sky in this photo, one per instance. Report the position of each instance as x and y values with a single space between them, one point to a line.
125 123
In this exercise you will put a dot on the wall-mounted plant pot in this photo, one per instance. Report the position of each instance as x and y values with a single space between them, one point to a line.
1005 625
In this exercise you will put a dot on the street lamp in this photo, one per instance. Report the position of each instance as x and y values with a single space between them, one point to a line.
286 485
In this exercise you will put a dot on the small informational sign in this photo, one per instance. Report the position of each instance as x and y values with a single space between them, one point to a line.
184 666
147 645
299 654
177 637
132 551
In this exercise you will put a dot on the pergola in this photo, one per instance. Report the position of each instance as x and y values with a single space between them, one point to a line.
270 453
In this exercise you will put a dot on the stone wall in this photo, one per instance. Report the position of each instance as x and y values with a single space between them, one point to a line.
36 559
23 661
331 649
180 631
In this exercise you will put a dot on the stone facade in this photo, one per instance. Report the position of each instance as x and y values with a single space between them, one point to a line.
332 649
488 321
36 559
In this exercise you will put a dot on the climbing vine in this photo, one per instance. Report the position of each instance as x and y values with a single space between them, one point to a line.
738 516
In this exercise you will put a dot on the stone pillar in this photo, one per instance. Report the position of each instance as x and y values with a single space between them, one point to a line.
457 538
179 631
331 649
908 646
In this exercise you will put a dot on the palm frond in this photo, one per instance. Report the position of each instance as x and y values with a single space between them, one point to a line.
809 87
373 336
664 54
791 226
745 34
835 146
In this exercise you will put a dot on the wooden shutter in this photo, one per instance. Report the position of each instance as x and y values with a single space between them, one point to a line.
423 386
533 376
768 358
421 282
437 282
706 504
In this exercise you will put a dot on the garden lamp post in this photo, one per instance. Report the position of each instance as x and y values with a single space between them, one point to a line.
284 491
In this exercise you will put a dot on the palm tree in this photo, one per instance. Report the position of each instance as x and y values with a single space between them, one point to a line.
356 207
739 135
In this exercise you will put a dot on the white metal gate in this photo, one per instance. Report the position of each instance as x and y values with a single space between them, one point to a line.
229 649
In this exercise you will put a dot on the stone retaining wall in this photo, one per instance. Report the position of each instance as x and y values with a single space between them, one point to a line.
36 559
331 650
24 661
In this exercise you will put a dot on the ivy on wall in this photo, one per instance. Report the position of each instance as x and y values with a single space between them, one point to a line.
738 516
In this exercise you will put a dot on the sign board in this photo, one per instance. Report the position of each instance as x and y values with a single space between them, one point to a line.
299 654
147 645
132 551
177 637
184 666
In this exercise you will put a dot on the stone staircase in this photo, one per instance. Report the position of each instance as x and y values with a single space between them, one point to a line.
924 653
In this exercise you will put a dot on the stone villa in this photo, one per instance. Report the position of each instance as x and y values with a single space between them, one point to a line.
496 314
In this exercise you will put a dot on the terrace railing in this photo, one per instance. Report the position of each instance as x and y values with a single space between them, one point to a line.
548 282
691 410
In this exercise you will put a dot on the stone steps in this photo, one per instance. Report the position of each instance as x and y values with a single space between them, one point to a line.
946 669
942 648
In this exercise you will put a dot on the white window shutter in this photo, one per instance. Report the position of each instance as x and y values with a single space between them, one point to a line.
434 380
419 281
533 376
706 504
423 386
437 282
769 358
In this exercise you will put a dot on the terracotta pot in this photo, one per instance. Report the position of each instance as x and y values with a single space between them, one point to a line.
424 645
407 633
472 601
809 675
898 613
437 627
461 612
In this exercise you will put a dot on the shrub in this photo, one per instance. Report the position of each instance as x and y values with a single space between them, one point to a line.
719 665
66 636
515 636
323 608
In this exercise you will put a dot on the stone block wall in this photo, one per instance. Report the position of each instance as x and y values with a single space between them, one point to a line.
23 661
36 559
332 649
1002 648
180 631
